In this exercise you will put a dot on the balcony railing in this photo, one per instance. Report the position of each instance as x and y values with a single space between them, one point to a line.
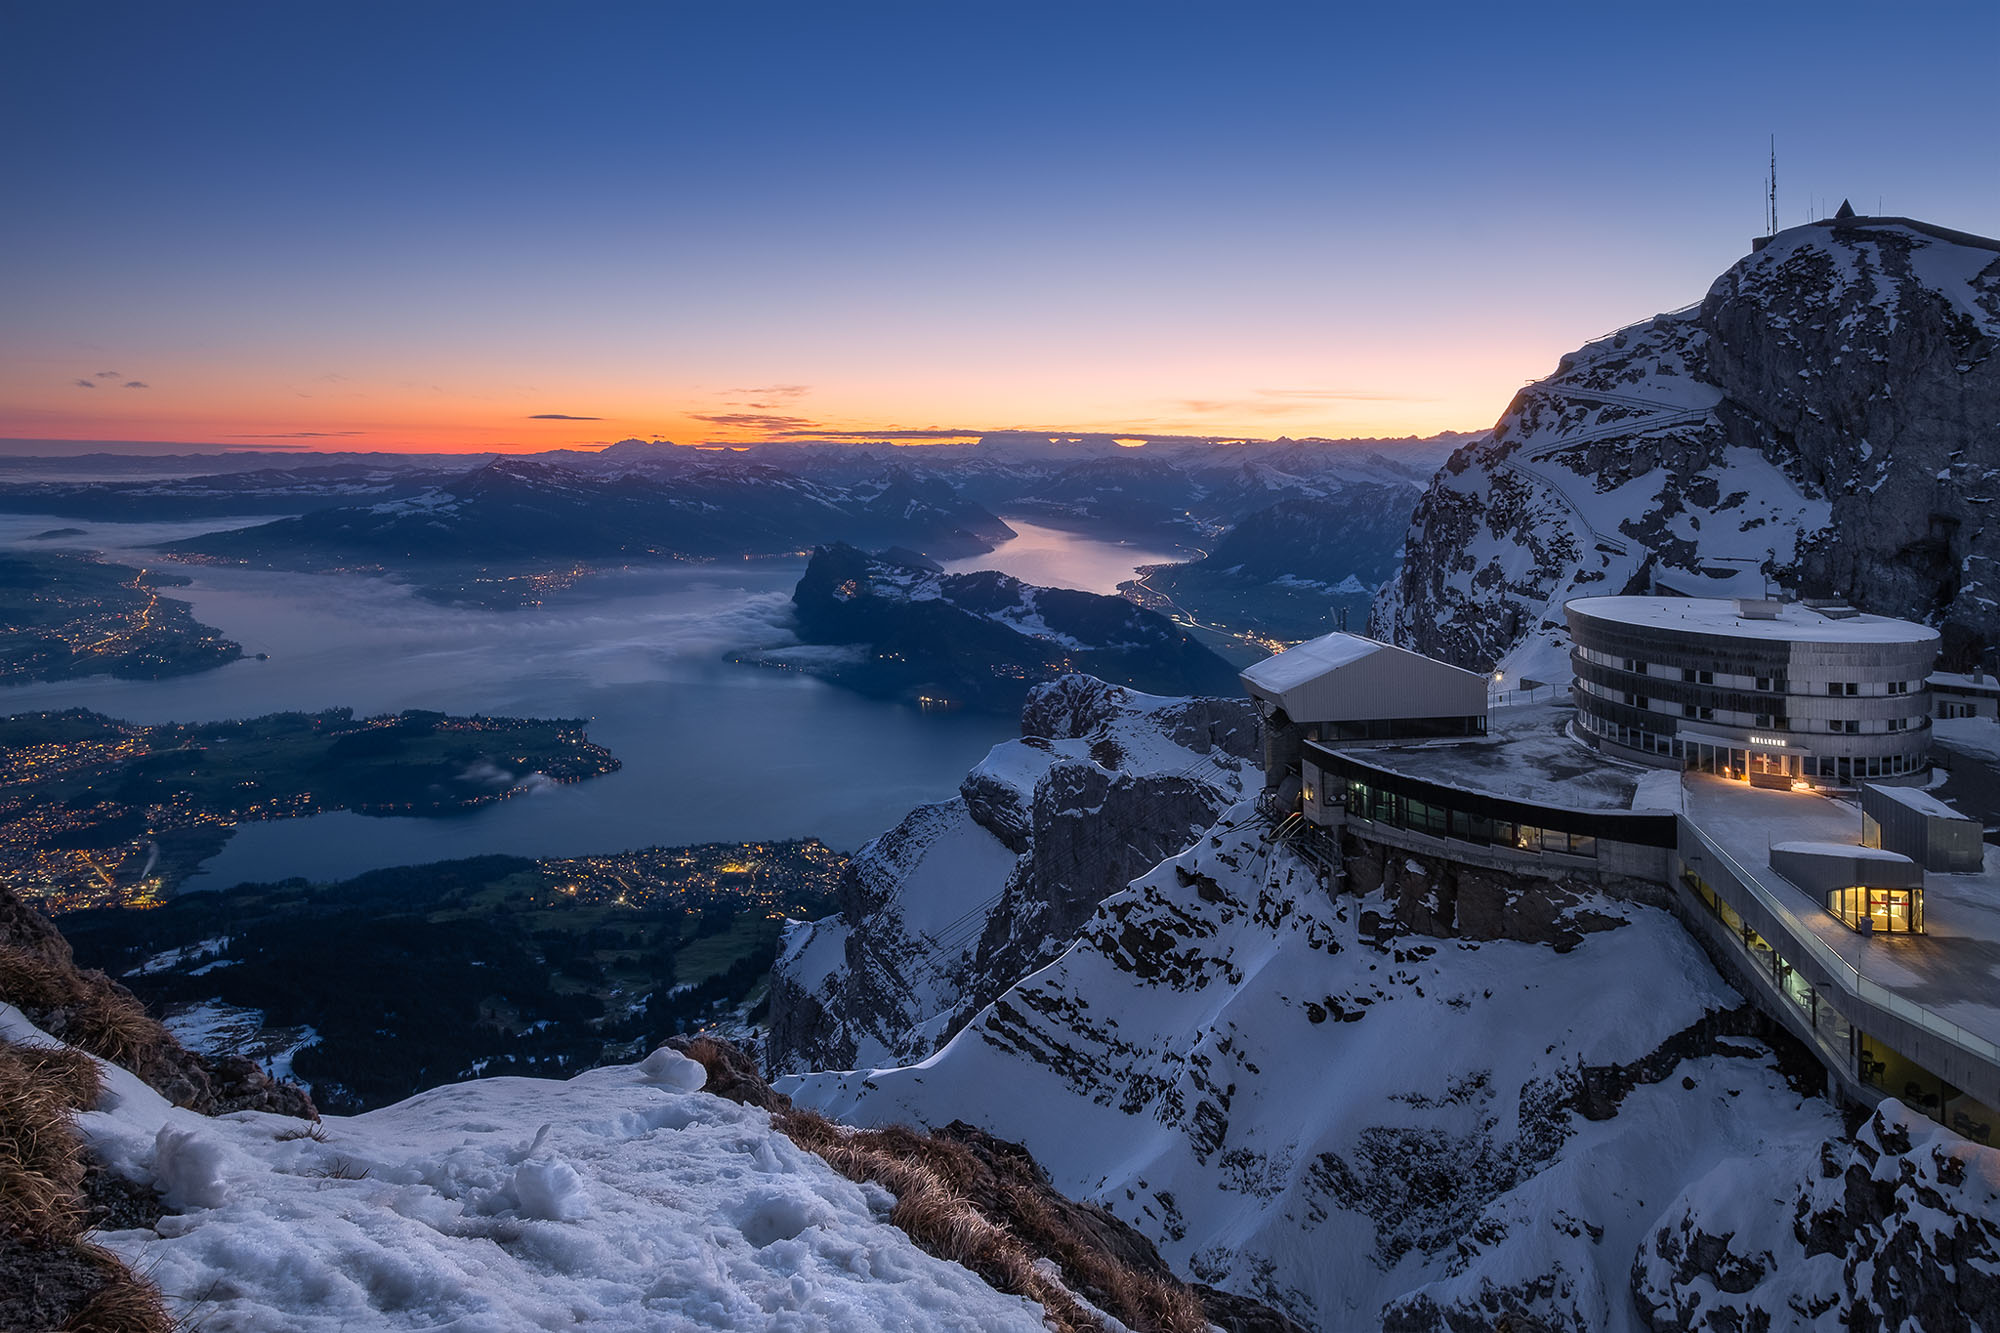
1844 974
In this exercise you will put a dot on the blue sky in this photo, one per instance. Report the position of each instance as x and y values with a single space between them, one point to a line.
422 225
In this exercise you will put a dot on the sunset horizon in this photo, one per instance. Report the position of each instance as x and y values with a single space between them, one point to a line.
385 229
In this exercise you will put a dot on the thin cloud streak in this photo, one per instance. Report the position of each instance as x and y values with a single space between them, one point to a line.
770 396
300 435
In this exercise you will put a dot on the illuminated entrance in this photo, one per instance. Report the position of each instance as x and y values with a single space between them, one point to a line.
1773 759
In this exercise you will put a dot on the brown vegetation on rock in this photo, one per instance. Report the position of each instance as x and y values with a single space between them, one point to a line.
50 1278
964 1195
89 1010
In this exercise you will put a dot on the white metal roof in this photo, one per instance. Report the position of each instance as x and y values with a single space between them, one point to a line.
1310 660
1348 677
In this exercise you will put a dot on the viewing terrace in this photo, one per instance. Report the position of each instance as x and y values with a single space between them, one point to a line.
1934 997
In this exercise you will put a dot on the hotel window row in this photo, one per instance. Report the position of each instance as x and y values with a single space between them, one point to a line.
1718 756
1761 684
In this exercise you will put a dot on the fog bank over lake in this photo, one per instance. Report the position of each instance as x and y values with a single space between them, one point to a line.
713 751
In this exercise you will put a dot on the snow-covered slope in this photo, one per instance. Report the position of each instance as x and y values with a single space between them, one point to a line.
1415 1133
621 1199
963 898
1824 416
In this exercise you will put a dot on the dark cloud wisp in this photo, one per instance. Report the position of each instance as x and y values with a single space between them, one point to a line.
775 425
560 416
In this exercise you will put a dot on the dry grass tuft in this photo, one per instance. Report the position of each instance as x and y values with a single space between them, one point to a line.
84 1008
42 1206
935 1182
125 1303
312 1130
41 1162
73 1075
33 980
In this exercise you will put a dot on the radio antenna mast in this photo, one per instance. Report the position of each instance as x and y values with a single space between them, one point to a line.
1771 192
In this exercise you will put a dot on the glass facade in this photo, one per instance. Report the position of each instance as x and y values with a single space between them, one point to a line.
1827 1022
1873 1061
1897 911
1366 801
1883 1067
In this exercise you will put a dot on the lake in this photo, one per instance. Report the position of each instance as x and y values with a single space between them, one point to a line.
1055 558
712 751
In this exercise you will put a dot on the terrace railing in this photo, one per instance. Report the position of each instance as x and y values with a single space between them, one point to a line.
1844 974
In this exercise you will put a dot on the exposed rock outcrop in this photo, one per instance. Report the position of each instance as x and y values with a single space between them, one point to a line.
1822 418
1896 1228
1434 896
946 910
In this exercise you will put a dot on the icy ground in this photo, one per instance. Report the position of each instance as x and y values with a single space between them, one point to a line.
621 1199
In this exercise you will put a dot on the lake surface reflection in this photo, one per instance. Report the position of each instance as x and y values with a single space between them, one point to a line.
1053 558
712 751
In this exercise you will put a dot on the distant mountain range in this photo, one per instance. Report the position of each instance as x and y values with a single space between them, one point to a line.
1175 490
267 489
1291 570
520 511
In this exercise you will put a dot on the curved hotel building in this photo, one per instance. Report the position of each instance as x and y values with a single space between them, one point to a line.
1753 688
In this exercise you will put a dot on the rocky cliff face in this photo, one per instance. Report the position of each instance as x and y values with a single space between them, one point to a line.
1364 1127
1897 1227
942 913
1824 417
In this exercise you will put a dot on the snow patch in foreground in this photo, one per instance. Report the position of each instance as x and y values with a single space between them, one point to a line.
614 1200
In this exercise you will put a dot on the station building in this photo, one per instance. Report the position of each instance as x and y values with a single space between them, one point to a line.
1353 690
1742 763
1754 688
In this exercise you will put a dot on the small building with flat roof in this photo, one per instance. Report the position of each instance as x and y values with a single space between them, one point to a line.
1354 690
1754 688
1921 827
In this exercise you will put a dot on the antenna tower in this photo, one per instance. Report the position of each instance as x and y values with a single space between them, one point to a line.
1771 192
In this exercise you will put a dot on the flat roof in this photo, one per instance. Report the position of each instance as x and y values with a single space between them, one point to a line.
1852 851
1718 615
1921 801
1310 660
1948 970
1527 754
